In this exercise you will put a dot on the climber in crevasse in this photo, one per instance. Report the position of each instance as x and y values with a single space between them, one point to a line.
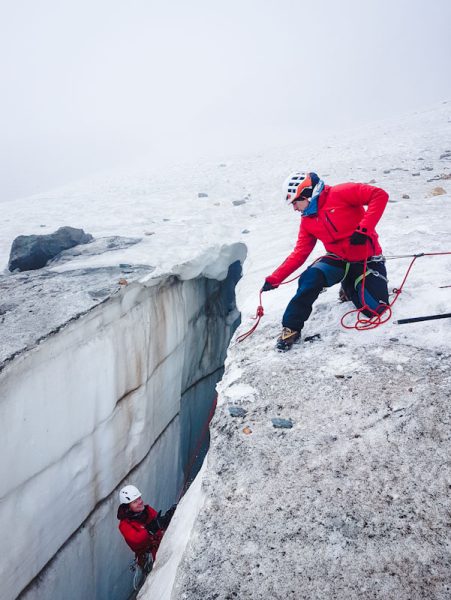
140 524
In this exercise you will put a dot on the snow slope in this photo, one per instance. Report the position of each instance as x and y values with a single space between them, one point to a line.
352 502
262 509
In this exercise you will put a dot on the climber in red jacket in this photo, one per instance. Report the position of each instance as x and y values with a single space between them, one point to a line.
336 216
140 524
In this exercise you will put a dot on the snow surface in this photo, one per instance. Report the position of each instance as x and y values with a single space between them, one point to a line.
245 474
370 409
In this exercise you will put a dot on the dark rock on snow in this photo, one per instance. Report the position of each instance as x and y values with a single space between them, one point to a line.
282 423
237 411
30 252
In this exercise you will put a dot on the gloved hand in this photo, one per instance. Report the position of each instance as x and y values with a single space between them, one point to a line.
358 238
166 518
154 525
268 287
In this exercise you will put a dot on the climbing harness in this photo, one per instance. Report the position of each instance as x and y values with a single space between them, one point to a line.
362 323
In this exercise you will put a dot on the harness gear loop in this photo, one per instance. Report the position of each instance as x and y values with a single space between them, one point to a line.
347 267
368 272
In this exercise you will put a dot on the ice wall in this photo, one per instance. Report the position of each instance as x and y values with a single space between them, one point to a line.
119 394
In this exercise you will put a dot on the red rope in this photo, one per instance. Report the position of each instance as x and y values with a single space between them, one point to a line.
195 453
376 319
258 315
362 323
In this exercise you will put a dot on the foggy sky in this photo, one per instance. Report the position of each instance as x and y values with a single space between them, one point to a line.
91 84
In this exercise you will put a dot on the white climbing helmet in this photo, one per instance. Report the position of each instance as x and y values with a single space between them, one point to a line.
128 494
297 184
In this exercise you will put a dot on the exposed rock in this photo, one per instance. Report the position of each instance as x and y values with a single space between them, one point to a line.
312 338
202 195
438 191
406 196
442 176
237 411
446 155
245 231
387 171
372 181
30 252
416 174
282 423
239 202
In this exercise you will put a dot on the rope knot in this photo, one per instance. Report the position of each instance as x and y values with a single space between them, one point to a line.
260 311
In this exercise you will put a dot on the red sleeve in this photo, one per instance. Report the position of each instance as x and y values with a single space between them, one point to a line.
136 537
304 246
376 199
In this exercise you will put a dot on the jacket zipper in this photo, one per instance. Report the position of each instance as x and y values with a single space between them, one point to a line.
329 221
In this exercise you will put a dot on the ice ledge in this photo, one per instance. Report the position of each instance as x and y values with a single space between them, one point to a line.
212 263
37 304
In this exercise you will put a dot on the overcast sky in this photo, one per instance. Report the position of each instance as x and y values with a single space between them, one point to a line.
91 84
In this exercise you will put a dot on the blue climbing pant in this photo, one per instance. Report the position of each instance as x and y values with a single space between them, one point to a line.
328 271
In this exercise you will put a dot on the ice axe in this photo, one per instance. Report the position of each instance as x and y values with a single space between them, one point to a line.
417 319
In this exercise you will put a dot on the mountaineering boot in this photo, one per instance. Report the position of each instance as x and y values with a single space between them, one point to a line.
287 338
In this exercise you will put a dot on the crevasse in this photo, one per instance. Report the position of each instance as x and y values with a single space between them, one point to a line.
120 394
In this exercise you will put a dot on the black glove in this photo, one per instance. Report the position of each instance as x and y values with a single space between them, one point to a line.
268 287
166 518
154 526
358 238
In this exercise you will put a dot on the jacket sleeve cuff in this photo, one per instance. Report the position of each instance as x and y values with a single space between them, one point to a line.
274 281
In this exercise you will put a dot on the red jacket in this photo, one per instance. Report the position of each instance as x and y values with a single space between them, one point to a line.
340 213
135 533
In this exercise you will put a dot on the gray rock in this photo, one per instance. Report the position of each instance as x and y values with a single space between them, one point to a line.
282 423
202 195
30 252
239 202
237 411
